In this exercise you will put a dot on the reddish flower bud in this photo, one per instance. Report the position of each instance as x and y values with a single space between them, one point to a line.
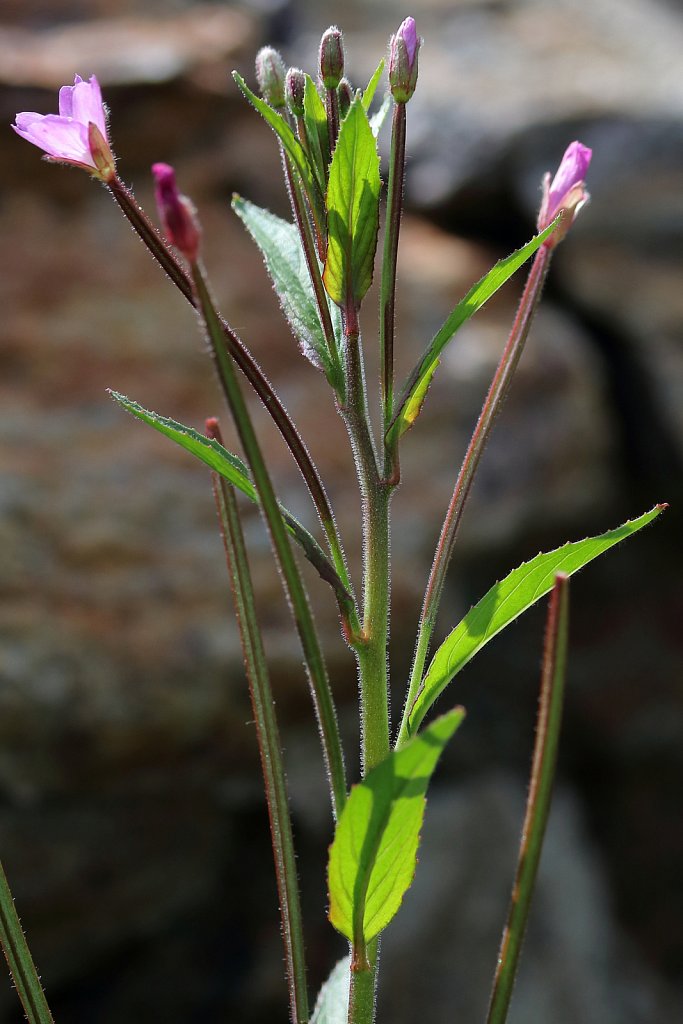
295 89
270 75
177 213
566 191
403 52
331 57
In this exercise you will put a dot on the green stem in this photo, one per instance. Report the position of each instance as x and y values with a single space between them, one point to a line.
270 747
388 285
19 959
315 664
249 367
538 802
497 394
375 496
362 993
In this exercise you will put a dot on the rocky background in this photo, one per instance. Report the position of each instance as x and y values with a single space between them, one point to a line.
132 826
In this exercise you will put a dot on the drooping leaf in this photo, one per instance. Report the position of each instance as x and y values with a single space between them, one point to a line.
415 389
280 244
372 858
378 119
332 1004
505 602
317 135
218 458
352 210
291 146
371 87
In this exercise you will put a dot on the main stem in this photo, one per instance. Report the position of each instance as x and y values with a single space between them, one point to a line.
270 747
375 496
19 960
497 393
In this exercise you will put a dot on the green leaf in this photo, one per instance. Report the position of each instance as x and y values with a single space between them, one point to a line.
352 210
369 93
332 1004
285 261
373 856
317 135
416 387
291 146
505 602
378 119
218 458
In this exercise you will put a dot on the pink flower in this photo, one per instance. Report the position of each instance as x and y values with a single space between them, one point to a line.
177 213
403 51
78 134
566 191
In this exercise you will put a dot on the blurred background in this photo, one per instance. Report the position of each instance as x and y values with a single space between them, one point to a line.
132 825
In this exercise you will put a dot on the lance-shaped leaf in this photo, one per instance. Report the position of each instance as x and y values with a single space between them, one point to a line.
317 134
285 261
378 119
415 389
218 458
371 87
373 856
352 210
291 146
505 602
332 1004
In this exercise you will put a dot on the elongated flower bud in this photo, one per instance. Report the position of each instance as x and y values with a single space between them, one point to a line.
345 92
176 212
295 89
567 191
331 57
270 75
403 52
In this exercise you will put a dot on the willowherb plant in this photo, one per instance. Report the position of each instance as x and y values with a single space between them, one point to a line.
321 264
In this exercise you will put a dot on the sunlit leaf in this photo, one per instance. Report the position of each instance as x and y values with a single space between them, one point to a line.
412 397
373 856
352 210
371 88
317 136
505 602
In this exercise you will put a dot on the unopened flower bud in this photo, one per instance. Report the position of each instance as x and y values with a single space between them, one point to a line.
345 93
566 192
295 90
403 52
177 213
270 75
331 57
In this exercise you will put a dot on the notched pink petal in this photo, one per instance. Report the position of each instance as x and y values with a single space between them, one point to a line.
87 104
61 138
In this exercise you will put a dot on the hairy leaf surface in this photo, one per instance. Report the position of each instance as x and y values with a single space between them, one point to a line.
505 601
373 856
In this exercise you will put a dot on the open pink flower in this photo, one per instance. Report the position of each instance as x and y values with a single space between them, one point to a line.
567 191
77 134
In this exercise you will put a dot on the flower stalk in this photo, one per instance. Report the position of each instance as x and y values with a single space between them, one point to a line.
19 959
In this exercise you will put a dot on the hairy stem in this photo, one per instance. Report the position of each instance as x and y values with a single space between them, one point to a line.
538 802
388 285
19 959
313 656
270 748
497 394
